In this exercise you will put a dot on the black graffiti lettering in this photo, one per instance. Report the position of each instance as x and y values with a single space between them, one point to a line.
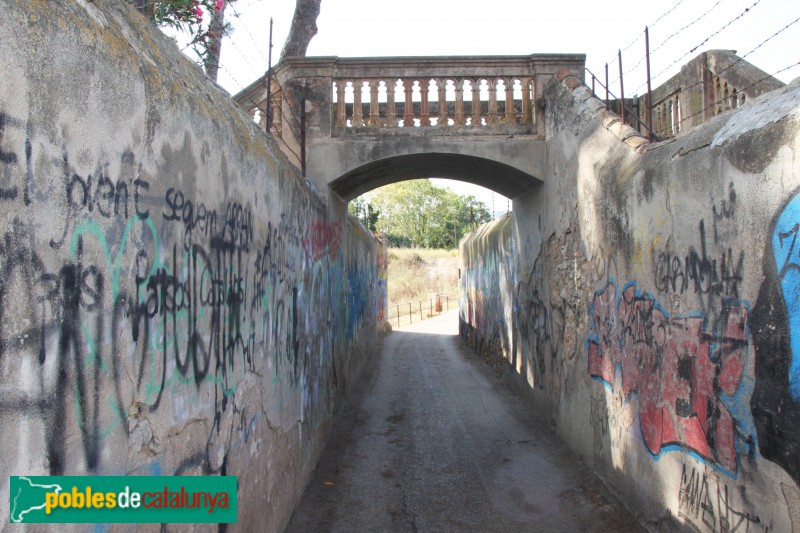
7 158
697 271
75 280
194 216
137 185
83 190
788 264
714 509
28 165
120 190
726 210
104 196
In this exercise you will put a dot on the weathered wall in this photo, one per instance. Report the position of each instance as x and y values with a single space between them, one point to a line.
647 304
174 298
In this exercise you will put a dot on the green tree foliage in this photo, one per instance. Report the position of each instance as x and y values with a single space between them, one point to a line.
417 213
364 211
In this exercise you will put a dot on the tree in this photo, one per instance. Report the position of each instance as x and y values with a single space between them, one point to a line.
304 28
213 44
363 210
418 213
206 40
187 16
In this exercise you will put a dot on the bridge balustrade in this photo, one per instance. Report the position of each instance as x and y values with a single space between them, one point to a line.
712 83
313 101
391 102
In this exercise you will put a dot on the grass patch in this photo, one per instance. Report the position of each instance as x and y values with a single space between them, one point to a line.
416 272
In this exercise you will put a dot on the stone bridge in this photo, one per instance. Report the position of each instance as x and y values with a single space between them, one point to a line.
355 124
176 299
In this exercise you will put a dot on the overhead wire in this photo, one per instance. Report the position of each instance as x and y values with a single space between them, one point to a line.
741 58
743 13
639 37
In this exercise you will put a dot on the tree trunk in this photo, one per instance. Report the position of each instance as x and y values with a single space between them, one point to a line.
216 30
145 8
304 28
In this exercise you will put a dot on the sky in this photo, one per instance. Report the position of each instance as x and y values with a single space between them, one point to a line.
368 28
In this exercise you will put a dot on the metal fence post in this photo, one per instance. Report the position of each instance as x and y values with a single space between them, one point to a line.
649 86
621 89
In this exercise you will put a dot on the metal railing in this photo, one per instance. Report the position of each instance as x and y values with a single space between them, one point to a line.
421 309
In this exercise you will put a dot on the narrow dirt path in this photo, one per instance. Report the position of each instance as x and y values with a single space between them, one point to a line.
435 441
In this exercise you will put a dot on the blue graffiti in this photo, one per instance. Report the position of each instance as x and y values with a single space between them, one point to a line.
786 251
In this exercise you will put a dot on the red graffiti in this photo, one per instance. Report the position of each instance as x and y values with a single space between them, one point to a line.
677 368
322 239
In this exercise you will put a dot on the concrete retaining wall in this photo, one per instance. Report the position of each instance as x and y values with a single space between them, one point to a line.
645 299
174 298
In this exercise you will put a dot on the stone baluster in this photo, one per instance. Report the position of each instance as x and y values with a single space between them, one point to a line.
676 114
358 113
492 119
527 107
341 114
476 102
442 116
425 116
374 113
391 110
459 119
408 116
510 116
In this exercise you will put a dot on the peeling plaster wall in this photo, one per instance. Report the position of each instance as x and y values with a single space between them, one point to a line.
174 297
647 305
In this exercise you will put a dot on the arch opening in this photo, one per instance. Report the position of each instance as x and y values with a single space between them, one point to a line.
498 177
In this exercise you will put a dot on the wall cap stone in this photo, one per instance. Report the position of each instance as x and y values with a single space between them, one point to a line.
610 120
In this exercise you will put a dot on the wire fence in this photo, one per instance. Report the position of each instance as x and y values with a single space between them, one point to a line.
702 25
400 314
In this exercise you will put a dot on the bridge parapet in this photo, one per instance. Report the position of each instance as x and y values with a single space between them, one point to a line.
315 99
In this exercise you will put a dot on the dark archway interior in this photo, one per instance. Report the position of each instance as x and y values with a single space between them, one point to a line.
498 177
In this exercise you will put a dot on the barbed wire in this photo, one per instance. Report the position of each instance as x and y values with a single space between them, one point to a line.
257 73
241 88
741 58
743 13
637 39
695 21
247 30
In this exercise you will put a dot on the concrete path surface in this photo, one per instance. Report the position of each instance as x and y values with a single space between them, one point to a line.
434 441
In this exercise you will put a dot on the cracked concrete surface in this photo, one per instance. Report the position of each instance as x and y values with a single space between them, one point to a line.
435 441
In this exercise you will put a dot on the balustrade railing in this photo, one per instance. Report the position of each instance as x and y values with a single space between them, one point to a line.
438 102
724 95
313 100
667 116
712 83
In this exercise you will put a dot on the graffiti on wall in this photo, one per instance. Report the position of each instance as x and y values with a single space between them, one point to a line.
143 294
688 375
709 504
776 336
486 306
699 272
540 325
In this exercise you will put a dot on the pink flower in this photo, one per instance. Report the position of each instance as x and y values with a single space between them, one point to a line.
219 4
198 13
